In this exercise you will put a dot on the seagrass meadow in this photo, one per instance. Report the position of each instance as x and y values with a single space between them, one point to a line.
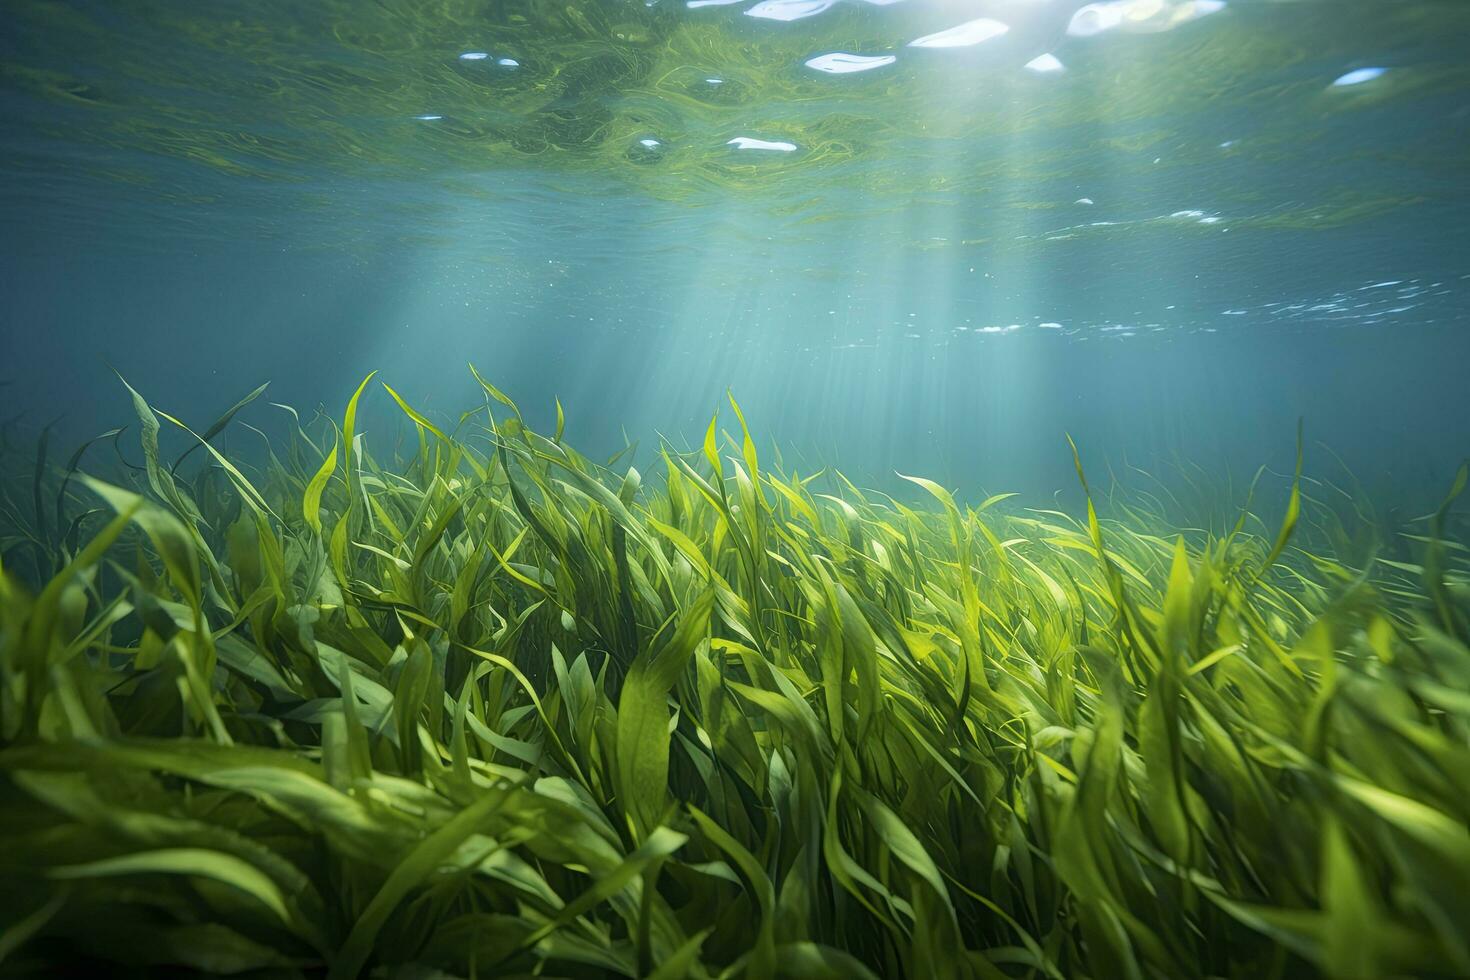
481 706
946 489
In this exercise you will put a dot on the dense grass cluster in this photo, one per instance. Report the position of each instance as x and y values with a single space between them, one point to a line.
497 710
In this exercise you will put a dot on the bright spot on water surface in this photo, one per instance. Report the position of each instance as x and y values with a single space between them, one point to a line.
508 63
751 143
1359 76
1139 15
696 4
427 117
1083 200
1096 18
788 9
650 142
1045 63
841 63
474 56
966 34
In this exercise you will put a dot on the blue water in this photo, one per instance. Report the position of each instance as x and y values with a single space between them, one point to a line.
1205 221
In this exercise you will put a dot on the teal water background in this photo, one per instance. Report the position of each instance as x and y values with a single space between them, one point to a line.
1213 220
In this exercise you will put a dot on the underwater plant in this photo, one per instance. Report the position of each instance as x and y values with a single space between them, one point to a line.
495 709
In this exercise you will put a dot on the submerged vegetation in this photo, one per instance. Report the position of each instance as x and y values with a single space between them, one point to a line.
492 709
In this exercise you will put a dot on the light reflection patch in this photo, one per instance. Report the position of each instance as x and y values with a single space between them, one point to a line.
842 63
752 143
962 36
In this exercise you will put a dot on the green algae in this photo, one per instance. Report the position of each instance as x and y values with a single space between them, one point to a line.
491 708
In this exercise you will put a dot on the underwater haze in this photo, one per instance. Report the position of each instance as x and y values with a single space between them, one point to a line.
903 241
735 489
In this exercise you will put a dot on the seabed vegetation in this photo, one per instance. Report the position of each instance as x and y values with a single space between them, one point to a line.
488 708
